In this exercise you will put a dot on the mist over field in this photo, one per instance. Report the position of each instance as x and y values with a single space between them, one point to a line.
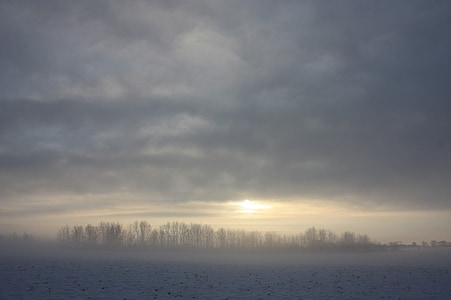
49 271
403 256
177 241
179 260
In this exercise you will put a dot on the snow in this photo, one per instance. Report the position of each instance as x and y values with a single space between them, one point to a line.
410 274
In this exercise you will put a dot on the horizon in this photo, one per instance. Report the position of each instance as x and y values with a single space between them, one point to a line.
270 115
52 234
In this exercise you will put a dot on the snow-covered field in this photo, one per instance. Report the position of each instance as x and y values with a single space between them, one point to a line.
407 274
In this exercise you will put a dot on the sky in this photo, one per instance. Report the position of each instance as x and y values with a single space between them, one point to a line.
333 114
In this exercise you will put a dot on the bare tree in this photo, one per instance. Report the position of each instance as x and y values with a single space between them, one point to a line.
209 235
348 240
196 234
111 234
221 238
269 239
179 235
331 237
63 235
91 234
135 227
77 234
363 241
144 230
311 237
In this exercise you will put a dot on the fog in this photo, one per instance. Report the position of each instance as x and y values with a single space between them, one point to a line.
37 270
405 256
201 244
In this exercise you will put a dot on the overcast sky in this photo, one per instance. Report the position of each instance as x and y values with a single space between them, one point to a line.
128 106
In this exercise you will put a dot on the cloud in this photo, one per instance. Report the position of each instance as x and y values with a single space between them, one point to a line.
212 101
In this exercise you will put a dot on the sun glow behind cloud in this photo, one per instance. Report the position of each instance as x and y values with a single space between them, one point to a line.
251 206
286 217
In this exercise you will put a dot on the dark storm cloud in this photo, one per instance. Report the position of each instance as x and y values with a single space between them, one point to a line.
219 100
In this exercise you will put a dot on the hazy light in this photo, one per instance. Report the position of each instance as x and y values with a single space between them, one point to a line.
251 206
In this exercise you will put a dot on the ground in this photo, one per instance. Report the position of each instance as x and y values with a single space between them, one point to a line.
115 275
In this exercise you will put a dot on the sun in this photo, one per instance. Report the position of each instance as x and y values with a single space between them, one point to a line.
251 206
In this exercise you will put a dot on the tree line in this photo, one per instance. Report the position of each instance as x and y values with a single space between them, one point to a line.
179 235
